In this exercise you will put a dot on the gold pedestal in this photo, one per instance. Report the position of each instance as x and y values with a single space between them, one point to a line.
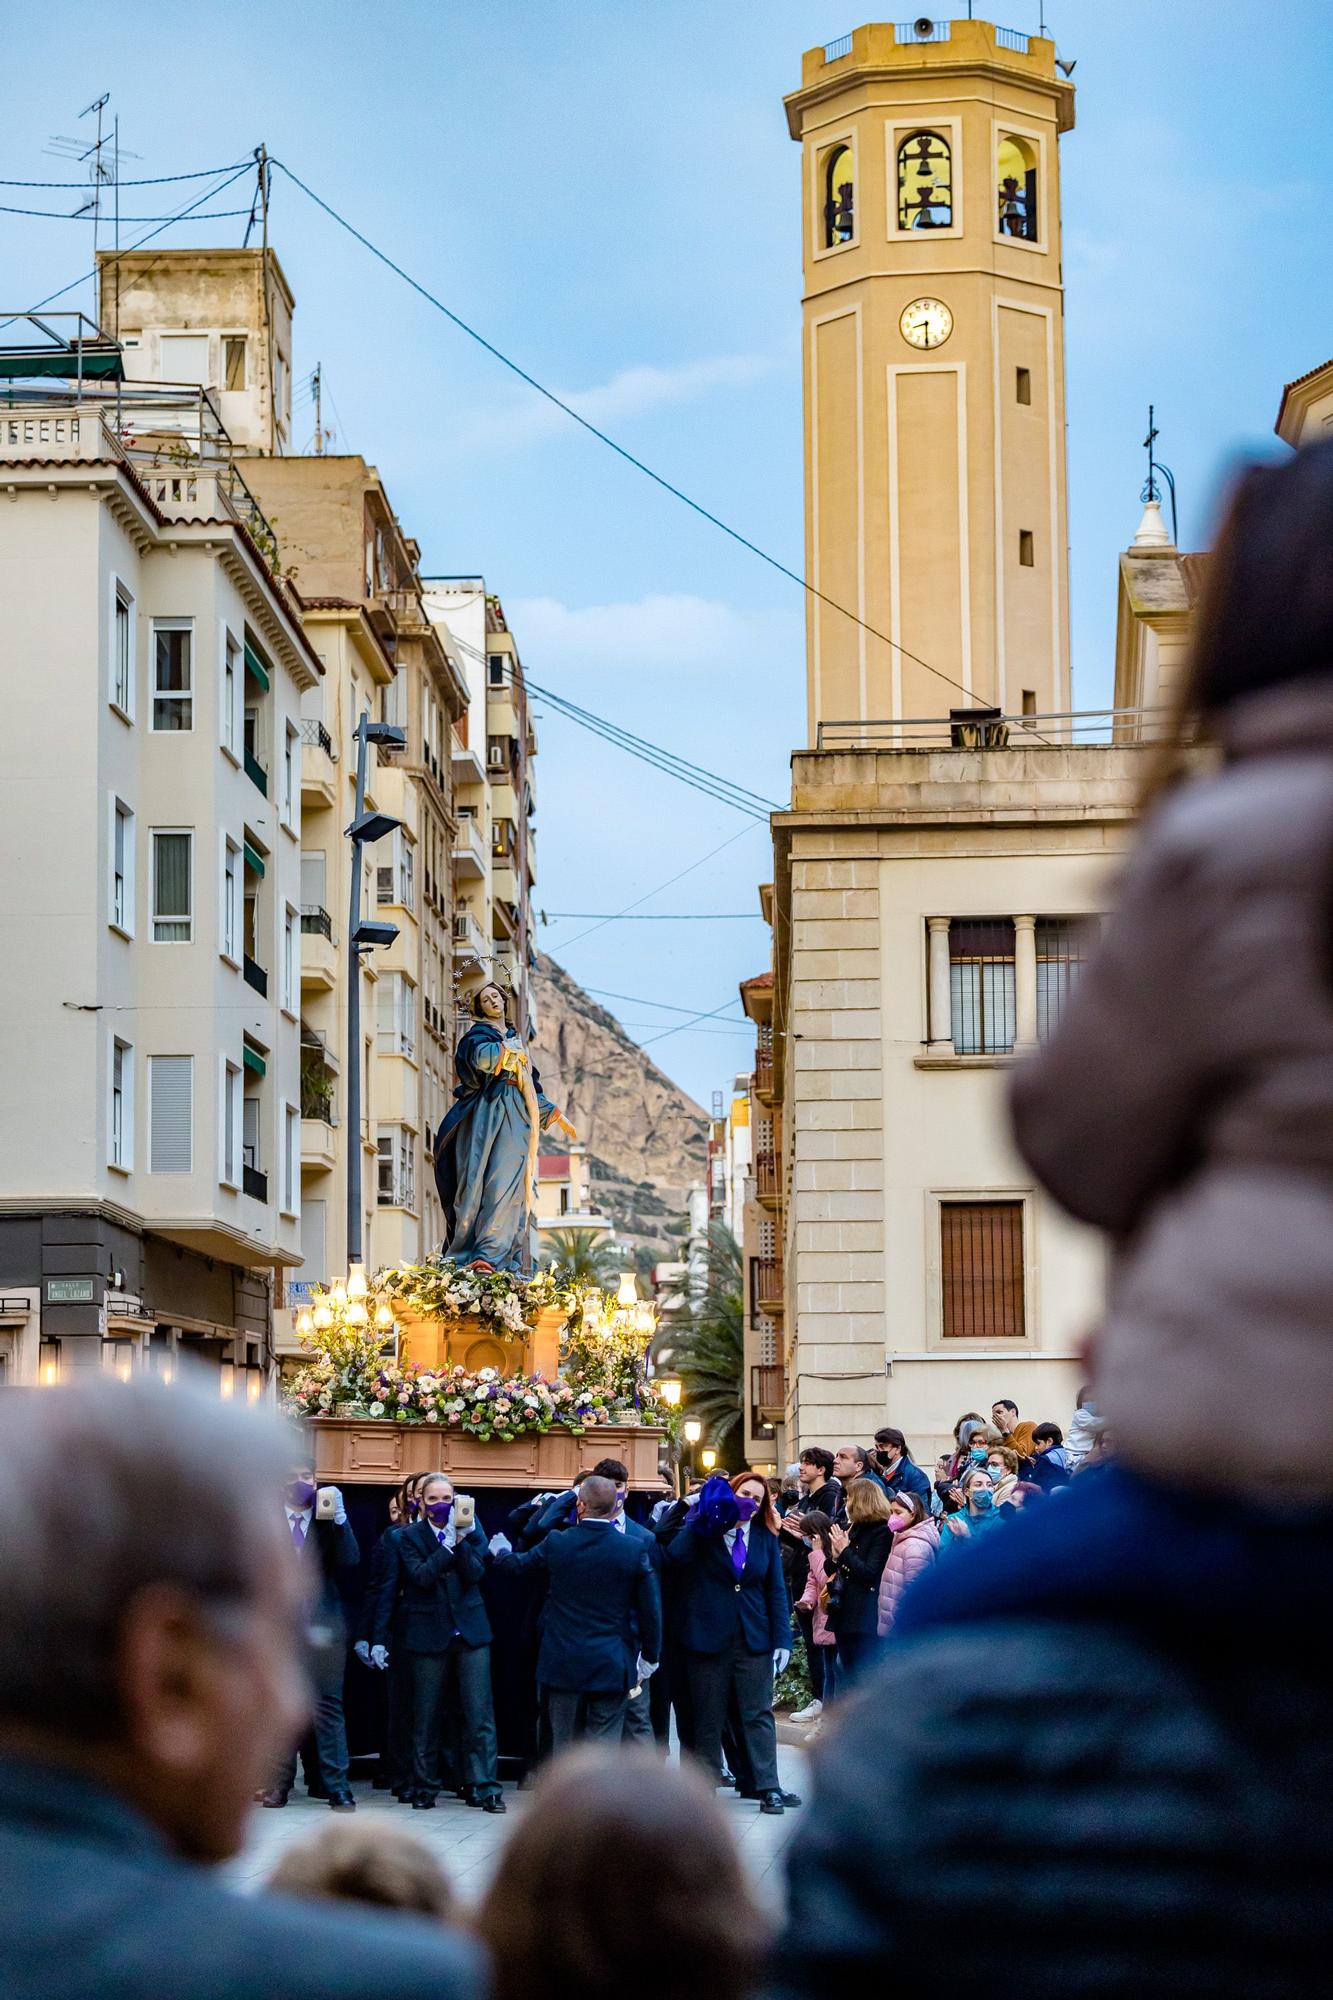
473 1343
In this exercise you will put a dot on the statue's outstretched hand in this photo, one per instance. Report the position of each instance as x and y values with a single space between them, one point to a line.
565 1126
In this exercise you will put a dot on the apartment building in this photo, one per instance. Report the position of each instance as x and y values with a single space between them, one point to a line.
494 746
150 817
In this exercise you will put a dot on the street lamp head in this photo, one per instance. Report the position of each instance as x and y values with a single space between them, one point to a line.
669 1389
693 1430
372 826
708 1458
387 734
369 932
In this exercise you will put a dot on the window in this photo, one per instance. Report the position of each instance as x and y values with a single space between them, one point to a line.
170 1114
393 702
839 191
289 775
171 887
395 1185
397 1015
185 358
1029 703
230 945
233 360
981 985
1016 193
1023 385
122 649
981 1270
232 670
122 867
925 182
496 670
280 389
290 1196
120 1138
173 675
1026 558
229 1165
1060 948
291 958
395 880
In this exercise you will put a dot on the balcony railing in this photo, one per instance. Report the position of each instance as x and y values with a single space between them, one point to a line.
255 976
254 1183
990 729
768 1396
763 1059
768 1176
316 921
767 1283
315 736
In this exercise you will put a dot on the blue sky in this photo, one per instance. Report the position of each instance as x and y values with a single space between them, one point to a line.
609 193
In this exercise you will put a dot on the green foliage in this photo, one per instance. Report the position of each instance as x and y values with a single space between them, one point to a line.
792 1689
708 1350
582 1257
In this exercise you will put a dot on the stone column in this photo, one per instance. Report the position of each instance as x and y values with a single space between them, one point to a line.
1025 981
940 998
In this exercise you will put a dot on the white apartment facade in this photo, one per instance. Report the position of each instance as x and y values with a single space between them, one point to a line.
150 815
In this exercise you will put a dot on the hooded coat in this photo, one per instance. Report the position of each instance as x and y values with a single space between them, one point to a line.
914 1550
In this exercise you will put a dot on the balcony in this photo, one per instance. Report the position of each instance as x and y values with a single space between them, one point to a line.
468 768
768 1397
256 773
469 851
768 1179
319 781
254 1183
763 1062
766 1285
255 976
319 1144
319 960
469 941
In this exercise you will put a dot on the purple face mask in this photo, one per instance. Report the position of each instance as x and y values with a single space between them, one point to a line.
413 1509
747 1507
439 1511
299 1494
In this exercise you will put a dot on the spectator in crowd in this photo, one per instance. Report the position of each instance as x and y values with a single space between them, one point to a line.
447 1638
622 1878
1017 1436
916 1543
376 1864
812 1610
790 1494
322 1536
819 1492
735 1624
853 1461
896 1466
860 1551
975 1511
1085 1432
603 1629
949 1464
152 1669
1050 1467
1002 1465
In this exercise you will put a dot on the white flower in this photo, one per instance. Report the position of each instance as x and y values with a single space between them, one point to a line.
377 1409
529 1402
486 1374
432 1416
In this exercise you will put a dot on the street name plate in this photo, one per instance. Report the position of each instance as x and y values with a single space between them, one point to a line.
69 1291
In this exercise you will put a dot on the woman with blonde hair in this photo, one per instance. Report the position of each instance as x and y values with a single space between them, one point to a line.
372 1863
860 1551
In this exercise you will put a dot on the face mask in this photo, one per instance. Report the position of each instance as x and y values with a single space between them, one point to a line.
439 1511
897 1522
299 1494
746 1506
978 1453
983 1501
413 1509
997 1471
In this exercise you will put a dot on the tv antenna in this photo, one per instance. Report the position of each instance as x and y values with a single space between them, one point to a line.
102 156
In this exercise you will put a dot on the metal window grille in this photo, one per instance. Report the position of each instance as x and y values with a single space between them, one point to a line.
981 1269
981 985
1062 944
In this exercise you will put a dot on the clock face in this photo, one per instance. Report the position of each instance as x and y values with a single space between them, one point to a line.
926 323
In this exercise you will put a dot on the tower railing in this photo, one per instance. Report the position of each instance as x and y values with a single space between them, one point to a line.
993 729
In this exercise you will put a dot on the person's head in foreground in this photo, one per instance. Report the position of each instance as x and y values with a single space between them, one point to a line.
622 1877
153 1616
377 1864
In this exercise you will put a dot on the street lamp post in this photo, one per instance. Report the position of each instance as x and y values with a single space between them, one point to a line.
362 934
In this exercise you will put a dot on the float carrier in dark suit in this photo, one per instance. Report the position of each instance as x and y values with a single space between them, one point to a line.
730 1628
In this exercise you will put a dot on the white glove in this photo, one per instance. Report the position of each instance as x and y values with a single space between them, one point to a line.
362 1651
340 1511
379 1657
646 1668
501 1545
781 1660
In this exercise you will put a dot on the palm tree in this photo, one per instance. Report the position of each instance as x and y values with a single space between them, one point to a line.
583 1257
708 1349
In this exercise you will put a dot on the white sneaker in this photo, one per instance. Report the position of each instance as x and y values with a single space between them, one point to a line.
809 1712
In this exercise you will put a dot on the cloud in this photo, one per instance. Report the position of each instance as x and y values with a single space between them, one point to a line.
631 392
674 633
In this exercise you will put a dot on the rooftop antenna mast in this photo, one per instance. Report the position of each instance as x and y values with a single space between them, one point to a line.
1156 470
102 158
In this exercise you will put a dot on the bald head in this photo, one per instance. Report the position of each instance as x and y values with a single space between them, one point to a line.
597 1497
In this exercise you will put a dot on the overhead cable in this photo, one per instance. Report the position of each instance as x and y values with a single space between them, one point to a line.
153 180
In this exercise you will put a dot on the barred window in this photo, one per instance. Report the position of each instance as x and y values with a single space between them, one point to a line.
981 985
1062 943
981 1268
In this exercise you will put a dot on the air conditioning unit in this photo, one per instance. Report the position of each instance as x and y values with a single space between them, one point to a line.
497 758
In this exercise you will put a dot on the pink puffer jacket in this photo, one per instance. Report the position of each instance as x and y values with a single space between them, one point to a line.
821 1631
914 1549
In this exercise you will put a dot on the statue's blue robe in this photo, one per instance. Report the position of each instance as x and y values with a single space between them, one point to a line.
481 1158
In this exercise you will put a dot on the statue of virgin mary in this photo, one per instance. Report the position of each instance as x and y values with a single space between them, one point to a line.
486 1149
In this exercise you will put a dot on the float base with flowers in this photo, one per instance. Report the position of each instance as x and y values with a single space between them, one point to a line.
503 1381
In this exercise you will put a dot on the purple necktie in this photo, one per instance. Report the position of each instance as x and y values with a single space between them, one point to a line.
738 1554
298 1532
441 1537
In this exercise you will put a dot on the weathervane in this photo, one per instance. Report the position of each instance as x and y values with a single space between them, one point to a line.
1156 469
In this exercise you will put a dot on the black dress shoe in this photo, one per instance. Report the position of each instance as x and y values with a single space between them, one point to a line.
422 1802
726 1782
492 1803
342 1802
770 1802
469 1795
273 1797
790 1799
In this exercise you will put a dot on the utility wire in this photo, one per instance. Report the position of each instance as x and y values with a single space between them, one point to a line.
64 214
659 916
154 180
648 896
638 743
676 492
681 1026
640 1000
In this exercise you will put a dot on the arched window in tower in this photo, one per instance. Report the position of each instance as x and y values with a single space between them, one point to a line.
839 197
1016 191
925 182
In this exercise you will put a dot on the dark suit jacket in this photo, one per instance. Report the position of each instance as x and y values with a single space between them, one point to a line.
715 1608
95 1904
329 1552
603 1607
441 1591
381 1577
859 1568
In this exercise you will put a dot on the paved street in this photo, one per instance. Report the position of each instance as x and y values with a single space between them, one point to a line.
468 1842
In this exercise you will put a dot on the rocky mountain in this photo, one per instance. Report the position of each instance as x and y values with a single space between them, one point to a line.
646 1139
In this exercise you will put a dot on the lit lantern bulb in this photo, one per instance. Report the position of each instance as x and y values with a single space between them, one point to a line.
305 1320
384 1317
323 1317
356 1282
628 1292
355 1313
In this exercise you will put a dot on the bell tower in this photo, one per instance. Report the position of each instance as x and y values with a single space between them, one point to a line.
935 501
